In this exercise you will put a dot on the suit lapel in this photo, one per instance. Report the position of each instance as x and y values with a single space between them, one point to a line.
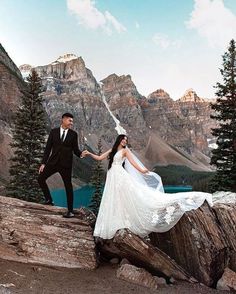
59 134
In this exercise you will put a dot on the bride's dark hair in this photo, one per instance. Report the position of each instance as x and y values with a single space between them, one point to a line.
114 149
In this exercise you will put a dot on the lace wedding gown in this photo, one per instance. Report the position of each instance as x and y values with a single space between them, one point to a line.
127 203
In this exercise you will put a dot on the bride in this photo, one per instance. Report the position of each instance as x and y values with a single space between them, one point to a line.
134 197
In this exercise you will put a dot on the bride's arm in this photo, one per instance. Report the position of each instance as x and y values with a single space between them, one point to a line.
129 156
98 157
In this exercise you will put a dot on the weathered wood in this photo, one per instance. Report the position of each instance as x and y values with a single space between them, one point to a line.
198 244
141 253
36 233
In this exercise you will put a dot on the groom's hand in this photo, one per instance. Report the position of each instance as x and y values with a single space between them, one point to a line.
42 166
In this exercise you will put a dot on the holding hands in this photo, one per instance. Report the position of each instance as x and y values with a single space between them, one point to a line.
84 153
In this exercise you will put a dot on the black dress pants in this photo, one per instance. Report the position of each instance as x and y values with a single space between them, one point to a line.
66 177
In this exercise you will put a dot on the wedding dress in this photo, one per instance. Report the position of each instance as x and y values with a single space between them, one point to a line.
128 202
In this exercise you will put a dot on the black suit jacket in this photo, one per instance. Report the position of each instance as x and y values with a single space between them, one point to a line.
57 152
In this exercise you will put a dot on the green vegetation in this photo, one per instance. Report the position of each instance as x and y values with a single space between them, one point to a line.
182 175
224 156
28 143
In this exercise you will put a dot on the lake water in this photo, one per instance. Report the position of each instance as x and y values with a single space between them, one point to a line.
83 195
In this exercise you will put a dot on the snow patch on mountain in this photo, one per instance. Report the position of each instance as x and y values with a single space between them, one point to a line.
65 58
120 130
25 70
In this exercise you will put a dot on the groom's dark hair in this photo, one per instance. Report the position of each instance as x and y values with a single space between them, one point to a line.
67 114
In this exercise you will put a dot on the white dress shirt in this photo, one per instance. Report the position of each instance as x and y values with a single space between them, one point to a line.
61 132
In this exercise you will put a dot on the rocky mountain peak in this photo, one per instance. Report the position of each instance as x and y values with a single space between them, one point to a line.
118 81
123 86
25 69
67 67
191 96
7 61
65 58
123 99
159 94
110 78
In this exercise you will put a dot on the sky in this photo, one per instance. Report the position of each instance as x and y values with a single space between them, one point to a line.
170 44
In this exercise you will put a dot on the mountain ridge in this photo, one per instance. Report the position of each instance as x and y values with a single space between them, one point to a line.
71 86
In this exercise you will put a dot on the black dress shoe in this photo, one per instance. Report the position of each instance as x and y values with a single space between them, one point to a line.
69 214
48 202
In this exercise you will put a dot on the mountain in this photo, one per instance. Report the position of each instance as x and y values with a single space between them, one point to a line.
196 113
123 100
25 70
185 123
66 57
11 83
191 96
160 130
71 87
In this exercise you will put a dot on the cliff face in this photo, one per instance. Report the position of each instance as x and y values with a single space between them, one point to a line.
123 99
196 113
184 123
70 86
11 83
7 61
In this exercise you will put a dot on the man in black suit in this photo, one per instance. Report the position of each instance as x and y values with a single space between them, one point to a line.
58 157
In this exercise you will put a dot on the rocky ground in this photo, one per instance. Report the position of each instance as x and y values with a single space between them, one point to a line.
25 278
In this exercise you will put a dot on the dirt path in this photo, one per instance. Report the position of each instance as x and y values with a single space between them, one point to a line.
43 280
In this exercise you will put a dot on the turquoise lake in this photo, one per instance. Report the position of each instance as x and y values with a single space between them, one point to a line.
83 195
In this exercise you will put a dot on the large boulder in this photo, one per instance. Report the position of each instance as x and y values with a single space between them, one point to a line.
34 233
199 243
226 218
227 281
136 275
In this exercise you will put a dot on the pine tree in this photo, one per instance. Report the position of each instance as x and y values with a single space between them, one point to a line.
224 156
28 142
97 182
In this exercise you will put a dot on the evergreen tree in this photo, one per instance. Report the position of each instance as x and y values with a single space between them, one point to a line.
28 142
97 182
224 156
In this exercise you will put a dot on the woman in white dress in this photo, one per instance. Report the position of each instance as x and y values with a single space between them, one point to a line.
134 198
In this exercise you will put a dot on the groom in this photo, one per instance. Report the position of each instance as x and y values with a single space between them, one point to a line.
58 156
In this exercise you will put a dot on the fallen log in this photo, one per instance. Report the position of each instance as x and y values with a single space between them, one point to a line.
141 253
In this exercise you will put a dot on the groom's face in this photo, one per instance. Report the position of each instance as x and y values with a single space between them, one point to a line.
67 122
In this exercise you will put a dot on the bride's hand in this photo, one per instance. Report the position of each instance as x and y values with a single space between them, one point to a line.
145 171
84 153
